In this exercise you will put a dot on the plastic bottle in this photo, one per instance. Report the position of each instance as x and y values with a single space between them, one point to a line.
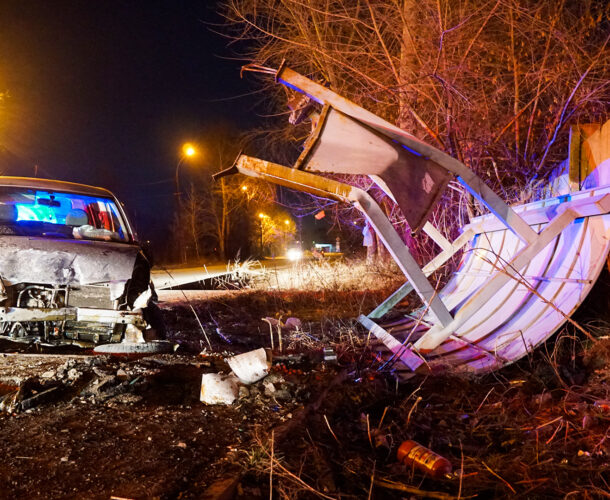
413 454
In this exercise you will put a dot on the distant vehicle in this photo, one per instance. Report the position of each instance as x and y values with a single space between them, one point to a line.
294 252
71 269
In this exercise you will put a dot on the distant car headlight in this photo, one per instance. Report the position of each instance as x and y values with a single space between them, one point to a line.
294 254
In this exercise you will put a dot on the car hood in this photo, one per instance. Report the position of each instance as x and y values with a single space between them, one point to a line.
65 262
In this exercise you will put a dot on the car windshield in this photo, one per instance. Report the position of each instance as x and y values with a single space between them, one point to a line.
58 214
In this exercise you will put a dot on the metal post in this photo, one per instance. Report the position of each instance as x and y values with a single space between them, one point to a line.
177 179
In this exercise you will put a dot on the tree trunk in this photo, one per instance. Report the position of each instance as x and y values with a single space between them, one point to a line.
407 97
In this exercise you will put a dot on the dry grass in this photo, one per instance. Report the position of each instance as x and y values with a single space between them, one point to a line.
324 296
330 275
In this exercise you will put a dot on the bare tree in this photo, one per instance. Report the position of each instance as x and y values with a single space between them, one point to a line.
493 83
276 229
214 213
188 229
231 199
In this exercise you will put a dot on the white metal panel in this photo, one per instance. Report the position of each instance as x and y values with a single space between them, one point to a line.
520 316
527 310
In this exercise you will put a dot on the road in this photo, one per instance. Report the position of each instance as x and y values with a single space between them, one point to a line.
165 278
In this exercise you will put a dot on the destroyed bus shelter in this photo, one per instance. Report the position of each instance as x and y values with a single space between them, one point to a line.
524 271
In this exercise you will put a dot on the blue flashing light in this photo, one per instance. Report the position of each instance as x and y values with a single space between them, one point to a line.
27 212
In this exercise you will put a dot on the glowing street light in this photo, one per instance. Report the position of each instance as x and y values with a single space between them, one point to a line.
189 150
244 188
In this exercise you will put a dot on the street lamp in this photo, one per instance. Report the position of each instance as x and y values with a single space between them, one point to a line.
188 151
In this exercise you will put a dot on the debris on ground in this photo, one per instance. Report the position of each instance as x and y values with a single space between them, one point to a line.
324 419
217 388
251 366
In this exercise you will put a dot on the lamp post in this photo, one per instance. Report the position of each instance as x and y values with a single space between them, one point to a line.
188 150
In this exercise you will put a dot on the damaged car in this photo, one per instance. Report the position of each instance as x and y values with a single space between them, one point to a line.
71 269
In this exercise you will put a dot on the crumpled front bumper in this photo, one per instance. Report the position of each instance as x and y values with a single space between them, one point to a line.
80 314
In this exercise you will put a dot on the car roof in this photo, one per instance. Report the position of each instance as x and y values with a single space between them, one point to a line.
54 185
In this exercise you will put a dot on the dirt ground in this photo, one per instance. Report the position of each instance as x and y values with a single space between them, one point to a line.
141 433
75 425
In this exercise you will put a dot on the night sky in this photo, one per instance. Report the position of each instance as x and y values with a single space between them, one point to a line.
106 92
